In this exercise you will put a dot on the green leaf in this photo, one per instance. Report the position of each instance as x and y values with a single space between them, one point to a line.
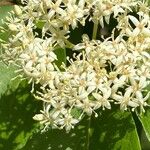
16 123
145 117
61 56
114 130
148 2
145 120
60 140
5 35
6 74
40 24
4 10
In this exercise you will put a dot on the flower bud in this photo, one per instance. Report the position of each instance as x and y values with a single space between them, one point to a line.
38 117
17 10
12 27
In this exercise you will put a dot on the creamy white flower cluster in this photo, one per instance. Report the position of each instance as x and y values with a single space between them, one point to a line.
106 71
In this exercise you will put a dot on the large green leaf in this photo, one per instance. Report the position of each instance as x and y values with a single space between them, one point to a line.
145 120
6 74
4 11
59 139
113 130
16 123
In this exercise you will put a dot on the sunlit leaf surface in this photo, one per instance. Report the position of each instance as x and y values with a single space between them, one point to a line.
6 74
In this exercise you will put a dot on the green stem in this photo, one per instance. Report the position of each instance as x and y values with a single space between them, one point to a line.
69 44
95 29
88 134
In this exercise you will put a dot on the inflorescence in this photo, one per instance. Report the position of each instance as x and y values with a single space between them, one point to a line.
102 71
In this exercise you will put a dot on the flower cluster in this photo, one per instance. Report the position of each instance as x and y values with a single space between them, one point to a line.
103 70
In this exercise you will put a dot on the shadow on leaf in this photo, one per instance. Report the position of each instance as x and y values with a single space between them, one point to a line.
16 123
113 130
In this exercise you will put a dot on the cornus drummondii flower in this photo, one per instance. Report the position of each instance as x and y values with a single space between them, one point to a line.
102 71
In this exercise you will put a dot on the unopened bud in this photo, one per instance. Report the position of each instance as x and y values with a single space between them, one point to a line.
17 10
12 27
38 117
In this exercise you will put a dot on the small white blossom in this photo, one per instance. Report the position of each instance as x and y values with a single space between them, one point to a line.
102 99
67 121
140 26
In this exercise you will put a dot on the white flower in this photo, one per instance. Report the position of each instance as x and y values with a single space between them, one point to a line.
86 105
102 99
54 8
67 121
141 100
74 13
118 83
126 99
140 26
